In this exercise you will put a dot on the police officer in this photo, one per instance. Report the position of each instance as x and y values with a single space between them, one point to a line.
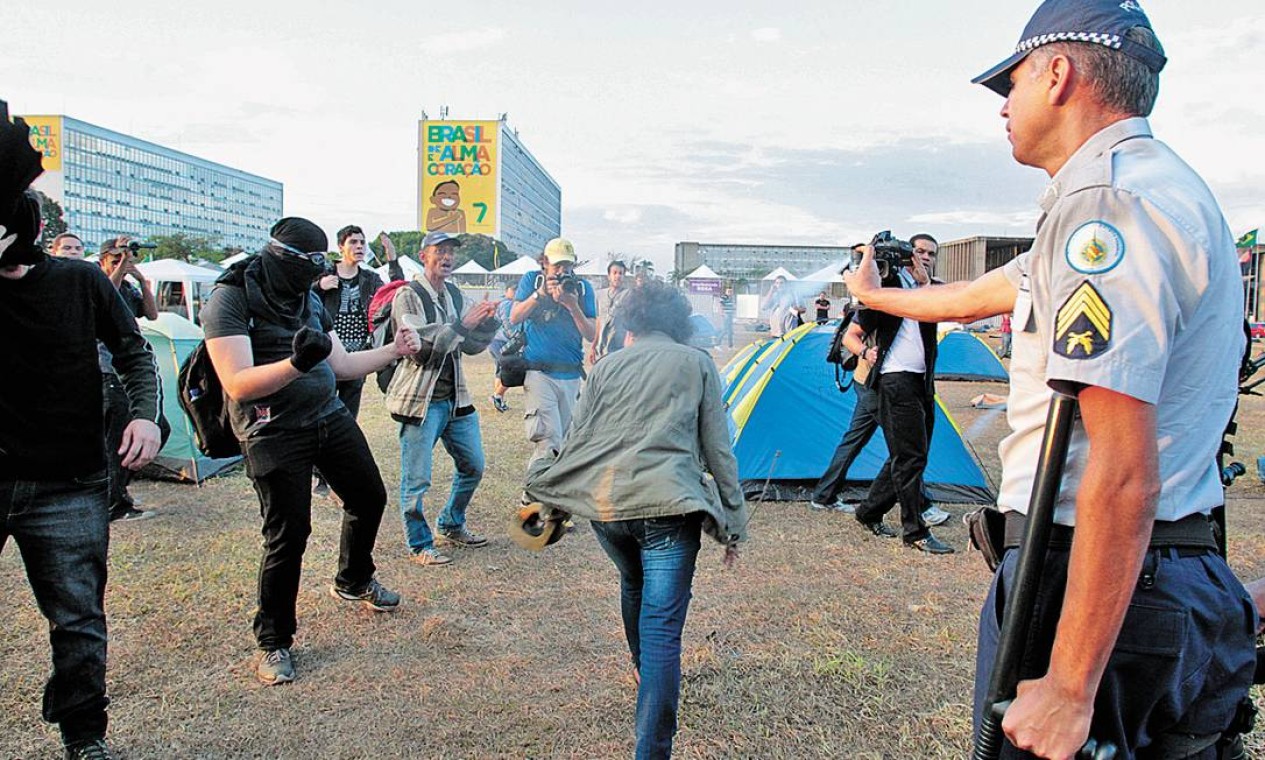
1129 300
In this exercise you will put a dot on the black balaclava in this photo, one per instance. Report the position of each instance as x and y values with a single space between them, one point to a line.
19 209
277 283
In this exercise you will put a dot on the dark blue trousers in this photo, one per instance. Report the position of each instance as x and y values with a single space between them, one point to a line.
1181 665
860 431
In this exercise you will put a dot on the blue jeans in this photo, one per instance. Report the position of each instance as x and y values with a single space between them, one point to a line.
62 530
655 558
464 444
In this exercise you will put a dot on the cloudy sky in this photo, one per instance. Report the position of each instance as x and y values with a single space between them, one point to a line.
780 122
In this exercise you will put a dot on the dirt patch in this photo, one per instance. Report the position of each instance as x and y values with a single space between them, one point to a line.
825 642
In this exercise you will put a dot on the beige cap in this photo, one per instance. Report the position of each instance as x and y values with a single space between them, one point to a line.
559 249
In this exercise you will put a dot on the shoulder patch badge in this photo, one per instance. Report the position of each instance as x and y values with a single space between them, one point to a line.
1082 328
1095 247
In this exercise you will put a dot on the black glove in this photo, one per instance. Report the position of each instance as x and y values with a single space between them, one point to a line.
311 347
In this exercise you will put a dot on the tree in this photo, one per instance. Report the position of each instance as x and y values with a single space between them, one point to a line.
186 247
52 216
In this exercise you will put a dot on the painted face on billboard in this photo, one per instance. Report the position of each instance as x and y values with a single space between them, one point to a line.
445 214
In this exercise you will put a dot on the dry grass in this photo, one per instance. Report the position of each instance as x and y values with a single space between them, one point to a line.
825 642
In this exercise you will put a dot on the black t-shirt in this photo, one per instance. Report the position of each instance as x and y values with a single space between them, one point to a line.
351 322
823 308
50 384
298 405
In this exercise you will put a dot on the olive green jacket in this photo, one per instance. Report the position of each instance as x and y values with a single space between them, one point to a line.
649 438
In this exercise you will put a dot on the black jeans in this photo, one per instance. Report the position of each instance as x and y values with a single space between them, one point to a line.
280 466
1182 661
906 415
118 413
62 530
860 431
349 391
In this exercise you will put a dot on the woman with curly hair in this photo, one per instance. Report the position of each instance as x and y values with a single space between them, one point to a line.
648 430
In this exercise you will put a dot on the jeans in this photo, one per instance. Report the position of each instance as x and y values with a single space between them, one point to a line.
655 558
464 444
349 391
62 530
860 431
118 413
280 467
547 406
727 329
1181 664
906 414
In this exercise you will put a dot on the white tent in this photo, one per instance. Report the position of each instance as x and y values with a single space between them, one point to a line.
193 280
521 266
470 267
780 272
828 273
703 273
236 257
592 268
411 269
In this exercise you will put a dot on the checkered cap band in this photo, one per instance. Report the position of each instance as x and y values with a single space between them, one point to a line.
1032 43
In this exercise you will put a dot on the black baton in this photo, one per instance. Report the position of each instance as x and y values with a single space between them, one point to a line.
1021 597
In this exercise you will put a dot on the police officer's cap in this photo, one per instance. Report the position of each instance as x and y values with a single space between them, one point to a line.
1102 22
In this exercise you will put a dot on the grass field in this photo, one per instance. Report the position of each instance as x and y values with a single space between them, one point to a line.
824 642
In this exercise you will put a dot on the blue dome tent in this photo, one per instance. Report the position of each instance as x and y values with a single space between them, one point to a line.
963 356
787 415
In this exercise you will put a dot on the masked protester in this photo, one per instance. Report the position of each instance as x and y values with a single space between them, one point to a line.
53 480
273 346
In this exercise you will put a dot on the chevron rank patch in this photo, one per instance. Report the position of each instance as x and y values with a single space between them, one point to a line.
1082 328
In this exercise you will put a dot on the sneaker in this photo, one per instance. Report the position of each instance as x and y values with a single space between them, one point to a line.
879 529
462 537
429 557
847 509
934 516
93 749
817 506
321 488
275 667
930 545
499 403
375 596
129 514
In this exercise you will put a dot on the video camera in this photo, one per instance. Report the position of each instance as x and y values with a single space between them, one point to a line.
135 246
890 254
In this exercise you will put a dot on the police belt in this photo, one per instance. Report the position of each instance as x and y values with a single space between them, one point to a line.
556 367
1191 532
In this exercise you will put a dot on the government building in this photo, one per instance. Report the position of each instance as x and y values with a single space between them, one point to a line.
479 177
111 184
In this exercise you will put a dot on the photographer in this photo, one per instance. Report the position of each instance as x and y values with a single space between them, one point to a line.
118 261
429 398
273 346
1129 301
903 362
558 312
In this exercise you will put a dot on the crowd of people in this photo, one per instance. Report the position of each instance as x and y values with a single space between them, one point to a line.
1123 303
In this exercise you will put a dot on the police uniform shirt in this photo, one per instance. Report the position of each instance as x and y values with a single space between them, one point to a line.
1131 285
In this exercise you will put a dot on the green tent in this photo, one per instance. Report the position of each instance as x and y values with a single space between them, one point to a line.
172 338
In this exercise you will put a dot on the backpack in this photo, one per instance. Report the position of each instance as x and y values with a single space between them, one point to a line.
379 313
204 402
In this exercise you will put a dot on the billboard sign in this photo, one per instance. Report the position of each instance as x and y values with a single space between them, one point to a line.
46 137
458 165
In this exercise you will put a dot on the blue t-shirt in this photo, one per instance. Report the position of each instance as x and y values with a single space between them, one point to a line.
552 337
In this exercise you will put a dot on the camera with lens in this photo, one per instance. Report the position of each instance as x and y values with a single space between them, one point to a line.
135 246
569 283
890 254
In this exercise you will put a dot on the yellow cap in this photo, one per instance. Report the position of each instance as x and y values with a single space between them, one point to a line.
559 249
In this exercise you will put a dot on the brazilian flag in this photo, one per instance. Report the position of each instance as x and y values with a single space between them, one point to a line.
1248 240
